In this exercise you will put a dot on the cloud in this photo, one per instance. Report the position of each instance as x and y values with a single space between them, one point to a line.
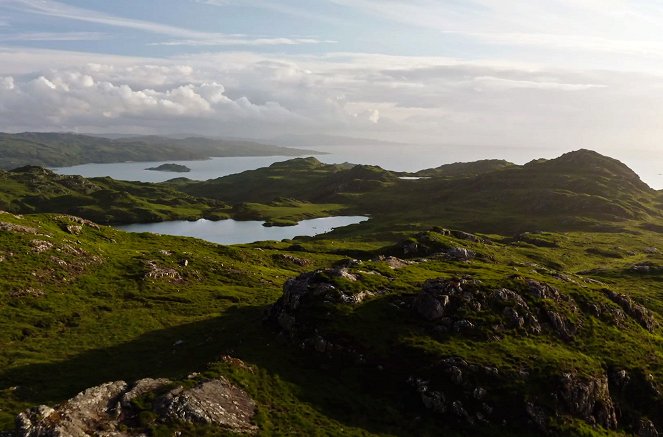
401 98
603 26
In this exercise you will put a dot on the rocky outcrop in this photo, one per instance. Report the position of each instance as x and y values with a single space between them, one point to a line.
451 303
291 259
429 243
588 398
13 227
314 286
111 409
154 271
647 268
638 312
214 402
90 412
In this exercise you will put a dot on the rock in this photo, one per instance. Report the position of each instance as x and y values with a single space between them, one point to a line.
39 246
291 259
638 312
154 271
466 236
431 399
79 220
26 292
74 229
395 263
12 227
214 402
463 326
460 254
542 290
108 410
561 325
91 412
646 267
646 428
513 318
343 273
141 388
588 398
429 305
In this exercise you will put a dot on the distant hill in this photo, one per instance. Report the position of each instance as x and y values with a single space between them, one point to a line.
466 168
34 189
580 189
328 140
67 149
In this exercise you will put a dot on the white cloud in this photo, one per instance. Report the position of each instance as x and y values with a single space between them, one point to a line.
413 99
570 26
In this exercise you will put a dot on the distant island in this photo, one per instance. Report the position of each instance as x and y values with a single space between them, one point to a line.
67 149
176 168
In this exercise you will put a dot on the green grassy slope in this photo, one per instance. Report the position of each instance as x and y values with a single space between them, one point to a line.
579 190
104 200
391 327
98 305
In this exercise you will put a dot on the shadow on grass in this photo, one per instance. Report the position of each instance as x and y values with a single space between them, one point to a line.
341 393
172 352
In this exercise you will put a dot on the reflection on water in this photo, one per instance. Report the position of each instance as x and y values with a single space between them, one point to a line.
238 232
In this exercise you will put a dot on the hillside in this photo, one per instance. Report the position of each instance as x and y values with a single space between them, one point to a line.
441 332
405 325
67 149
459 169
578 190
104 200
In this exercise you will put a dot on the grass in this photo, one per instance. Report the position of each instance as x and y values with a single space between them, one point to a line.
83 309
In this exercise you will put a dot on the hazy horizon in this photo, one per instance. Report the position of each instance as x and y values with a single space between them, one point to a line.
536 76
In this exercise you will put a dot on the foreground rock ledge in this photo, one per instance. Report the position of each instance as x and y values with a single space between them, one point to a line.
111 409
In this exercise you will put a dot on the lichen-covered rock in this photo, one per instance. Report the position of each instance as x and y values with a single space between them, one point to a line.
89 413
215 402
108 410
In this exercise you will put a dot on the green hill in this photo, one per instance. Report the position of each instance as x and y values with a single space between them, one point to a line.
578 190
104 200
67 149
466 168
394 327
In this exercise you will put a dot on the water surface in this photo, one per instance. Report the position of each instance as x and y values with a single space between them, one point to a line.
647 164
239 232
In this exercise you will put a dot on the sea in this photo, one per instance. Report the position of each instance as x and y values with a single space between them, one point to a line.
646 163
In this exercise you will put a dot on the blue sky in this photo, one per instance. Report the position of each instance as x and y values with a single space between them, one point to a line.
553 73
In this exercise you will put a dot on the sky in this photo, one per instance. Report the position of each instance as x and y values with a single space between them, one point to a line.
528 74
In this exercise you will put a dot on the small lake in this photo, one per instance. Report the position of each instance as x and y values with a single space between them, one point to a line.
239 232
